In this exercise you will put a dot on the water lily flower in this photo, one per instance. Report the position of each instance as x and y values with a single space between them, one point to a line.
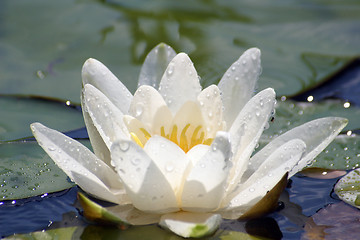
179 155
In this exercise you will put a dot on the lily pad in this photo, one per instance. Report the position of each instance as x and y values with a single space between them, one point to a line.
348 188
342 154
26 170
142 232
336 221
17 113
302 44
290 114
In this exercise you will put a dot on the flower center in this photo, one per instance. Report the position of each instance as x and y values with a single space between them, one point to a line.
185 140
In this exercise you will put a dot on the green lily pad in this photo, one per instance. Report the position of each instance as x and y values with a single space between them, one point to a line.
290 114
302 44
348 188
149 232
342 154
26 171
17 113
60 233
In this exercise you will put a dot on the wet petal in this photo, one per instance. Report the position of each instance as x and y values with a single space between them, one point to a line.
155 64
211 108
133 215
163 118
316 134
145 105
282 160
98 75
170 160
107 119
145 184
188 224
239 82
98 145
74 158
179 83
189 123
205 185
246 131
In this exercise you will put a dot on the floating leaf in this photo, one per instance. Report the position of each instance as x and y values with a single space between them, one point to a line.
336 221
60 233
342 154
95 232
322 173
17 113
348 188
26 170
290 114
299 55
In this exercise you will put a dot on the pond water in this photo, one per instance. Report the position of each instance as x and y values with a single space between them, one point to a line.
308 49
302 198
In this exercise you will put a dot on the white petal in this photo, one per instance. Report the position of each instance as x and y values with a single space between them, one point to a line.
137 129
107 119
145 105
316 134
72 157
170 160
98 145
186 224
163 118
190 125
145 184
98 189
205 185
246 131
282 160
197 152
155 64
180 82
134 216
98 75
211 108
239 82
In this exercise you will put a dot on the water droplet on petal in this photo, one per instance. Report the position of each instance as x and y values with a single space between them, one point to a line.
169 168
135 161
124 146
170 69
139 109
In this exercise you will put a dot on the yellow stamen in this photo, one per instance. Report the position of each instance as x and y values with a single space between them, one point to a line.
146 133
183 141
173 136
201 139
162 130
208 141
136 139
194 139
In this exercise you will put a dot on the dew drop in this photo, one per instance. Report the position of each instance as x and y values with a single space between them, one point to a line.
251 190
135 161
124 146
139 109
169 168
52 149
170 70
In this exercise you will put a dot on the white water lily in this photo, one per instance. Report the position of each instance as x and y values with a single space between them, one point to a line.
179 155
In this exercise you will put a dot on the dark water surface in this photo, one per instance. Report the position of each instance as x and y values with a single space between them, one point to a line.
303 198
